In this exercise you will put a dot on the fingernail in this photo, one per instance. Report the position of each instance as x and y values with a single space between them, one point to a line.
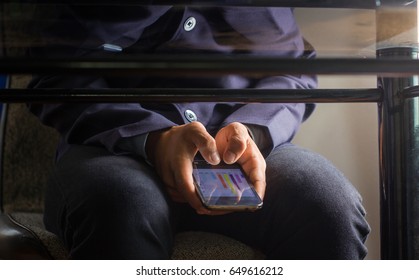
229 157
215 158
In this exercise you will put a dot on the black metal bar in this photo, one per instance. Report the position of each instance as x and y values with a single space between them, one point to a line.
411 173
191 95
182 65
412 92
361 4
399 154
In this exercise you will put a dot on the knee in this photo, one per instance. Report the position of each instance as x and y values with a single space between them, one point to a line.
310 191
114 209
116 223
125 197
313 181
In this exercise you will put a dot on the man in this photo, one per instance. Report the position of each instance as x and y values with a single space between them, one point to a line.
123 184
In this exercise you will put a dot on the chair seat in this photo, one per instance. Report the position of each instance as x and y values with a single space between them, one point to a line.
23 236
195 245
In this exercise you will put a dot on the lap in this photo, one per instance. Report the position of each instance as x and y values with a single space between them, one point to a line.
97 197
308 203
302 187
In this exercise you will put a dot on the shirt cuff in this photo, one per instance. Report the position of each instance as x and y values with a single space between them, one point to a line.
261 137
135 145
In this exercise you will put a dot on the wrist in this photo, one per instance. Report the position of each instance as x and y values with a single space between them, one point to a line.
152 144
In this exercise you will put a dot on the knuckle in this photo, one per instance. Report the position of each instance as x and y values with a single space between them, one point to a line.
196 126
238 142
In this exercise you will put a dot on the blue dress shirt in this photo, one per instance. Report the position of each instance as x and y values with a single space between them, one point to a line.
129 30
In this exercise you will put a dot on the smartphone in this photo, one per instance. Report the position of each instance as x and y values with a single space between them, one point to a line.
224 187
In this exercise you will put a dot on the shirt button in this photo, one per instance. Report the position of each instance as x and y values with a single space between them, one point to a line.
189 24
190 116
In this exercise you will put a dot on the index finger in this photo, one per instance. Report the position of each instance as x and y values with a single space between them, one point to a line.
204 142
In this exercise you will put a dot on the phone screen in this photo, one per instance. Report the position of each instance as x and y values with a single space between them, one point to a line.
225 187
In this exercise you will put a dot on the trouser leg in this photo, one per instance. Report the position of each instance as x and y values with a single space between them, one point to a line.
108 207
113 207
310 211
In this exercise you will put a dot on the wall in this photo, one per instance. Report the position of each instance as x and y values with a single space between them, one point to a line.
347 134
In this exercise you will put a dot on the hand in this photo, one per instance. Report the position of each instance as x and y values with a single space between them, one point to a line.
172 152
235 145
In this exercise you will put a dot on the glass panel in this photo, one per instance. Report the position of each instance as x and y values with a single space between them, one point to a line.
104 30
89 26
246 41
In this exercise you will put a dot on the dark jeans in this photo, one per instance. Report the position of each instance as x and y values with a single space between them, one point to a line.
115 207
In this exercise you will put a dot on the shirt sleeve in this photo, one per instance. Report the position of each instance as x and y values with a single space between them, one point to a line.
108 124
137 144
261 138
134 145
278 121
